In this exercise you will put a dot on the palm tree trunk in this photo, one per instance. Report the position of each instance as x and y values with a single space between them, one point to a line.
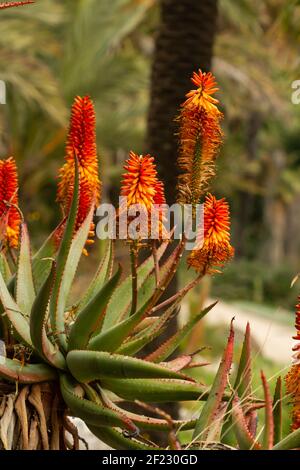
184 44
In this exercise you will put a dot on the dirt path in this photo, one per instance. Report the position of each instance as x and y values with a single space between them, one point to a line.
273 338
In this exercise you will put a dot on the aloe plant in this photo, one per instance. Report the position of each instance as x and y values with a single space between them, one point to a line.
87 358
80 354
239 424
90 349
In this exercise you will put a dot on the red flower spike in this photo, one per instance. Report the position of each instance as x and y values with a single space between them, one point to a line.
9 212
140 185
82 143
216 249
292 378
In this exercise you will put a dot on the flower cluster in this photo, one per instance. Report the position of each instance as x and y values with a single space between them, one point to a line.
215 250
141 186
81 145
293 377
9 213
200 137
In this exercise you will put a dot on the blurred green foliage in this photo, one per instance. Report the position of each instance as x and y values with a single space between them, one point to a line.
53 50
216 336
253 281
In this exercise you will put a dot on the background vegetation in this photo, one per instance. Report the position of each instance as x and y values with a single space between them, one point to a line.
54 50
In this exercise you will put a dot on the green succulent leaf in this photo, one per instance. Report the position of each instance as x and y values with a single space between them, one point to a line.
244 438
268 435
242 386
109 340
167 348
292 441
38 317
14 371
25 292
17 318
169 267
87 366
90 412
4 268
277 411
119 306
132 347
156 390
153 331
212 405
101 277
66 280
143 327
42 260
145 292
115 439
243 379
63 282
146 422
91 318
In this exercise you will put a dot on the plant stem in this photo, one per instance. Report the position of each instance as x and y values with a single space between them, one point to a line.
134 265
170 274
156 262
178 294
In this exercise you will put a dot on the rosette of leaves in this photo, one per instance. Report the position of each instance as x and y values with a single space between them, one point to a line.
81 360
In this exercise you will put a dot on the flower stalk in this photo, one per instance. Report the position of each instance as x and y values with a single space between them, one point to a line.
200 137
134 249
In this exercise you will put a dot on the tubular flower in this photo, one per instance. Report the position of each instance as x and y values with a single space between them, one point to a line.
140 185
292 379
14 4
215 249
200 137
9 213
81 143
140 180
159 197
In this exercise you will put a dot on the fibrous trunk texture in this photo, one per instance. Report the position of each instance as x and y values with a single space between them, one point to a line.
32 417
184 43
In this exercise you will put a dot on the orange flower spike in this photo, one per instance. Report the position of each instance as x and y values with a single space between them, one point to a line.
15 4
159 197
200 137
140 181
201 97
9 202
160 200
215 249
82 143
140 185
292 378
